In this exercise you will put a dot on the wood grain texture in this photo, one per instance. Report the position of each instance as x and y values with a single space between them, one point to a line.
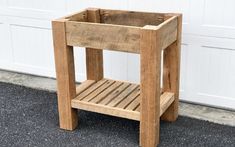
172 73
168 31
150 57
104 109
84 86
103 36
130 18
65 76
94 57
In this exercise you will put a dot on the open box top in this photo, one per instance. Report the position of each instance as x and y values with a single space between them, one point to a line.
118 30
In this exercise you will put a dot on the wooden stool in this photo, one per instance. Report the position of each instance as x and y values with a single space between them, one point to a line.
144 33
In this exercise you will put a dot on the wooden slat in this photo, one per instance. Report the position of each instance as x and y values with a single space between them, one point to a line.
83 86
103 36
168 32
115 93
129 99
102 95
98 91
130 18
133 105
65 76
171 77
134 115
122 96
166 100
91 89
138 108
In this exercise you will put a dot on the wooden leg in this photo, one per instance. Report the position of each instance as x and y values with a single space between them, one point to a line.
172 74
94 64
94 57
150 56
65 75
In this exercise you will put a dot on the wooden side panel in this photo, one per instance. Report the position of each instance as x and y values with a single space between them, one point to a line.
150 56
172 73
130 18
103 36
65 76
168 31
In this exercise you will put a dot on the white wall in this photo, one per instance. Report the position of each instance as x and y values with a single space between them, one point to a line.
208 47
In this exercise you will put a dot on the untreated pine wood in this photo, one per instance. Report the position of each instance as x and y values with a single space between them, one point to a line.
65 76
172 73
94 57
150 59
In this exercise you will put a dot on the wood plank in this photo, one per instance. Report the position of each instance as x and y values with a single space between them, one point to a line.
91 89
83 86
166 100
94 57
103 36
123 95
138 108
114 94
105 93
104 109
65 75
134 104
129 99
168 32
171 77
98 91
130 18
150 59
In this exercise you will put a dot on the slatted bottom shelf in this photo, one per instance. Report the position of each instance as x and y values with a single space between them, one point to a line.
114 98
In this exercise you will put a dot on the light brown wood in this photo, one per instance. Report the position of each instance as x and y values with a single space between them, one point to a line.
130 98
166 99
105 93
94 57
104 109
117 97
134 104
150 57
123 95
93 94
119 30
103 36
86 84
91 89
172 73
114 94
130 18
168 31
65 76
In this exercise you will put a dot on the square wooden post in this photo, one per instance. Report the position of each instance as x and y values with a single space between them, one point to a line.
94 57
171 73
65 76
150 58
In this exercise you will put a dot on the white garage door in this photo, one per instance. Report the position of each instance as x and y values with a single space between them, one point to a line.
208 47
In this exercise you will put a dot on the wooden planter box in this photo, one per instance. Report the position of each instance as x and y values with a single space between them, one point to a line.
147 34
